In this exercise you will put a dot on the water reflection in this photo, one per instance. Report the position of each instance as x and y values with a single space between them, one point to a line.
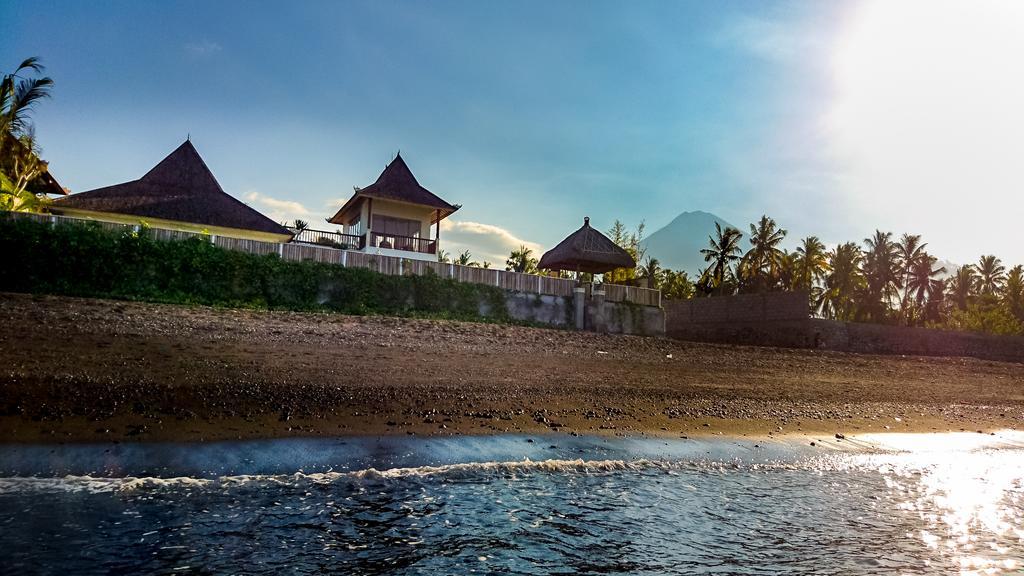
923 510
968 497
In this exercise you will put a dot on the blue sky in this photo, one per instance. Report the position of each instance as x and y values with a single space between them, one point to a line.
534 114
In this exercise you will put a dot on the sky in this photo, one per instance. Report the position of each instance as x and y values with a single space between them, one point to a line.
834 118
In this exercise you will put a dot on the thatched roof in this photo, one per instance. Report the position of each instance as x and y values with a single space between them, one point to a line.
180 188
396 183
586 250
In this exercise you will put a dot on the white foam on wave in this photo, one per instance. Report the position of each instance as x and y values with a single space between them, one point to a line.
93 484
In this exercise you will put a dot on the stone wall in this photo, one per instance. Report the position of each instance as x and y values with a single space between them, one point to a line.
774 306
560 311
782 319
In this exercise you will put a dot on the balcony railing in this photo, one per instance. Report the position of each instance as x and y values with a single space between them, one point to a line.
406 243
329 239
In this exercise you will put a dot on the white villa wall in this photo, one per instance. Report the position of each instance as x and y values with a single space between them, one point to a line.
403 210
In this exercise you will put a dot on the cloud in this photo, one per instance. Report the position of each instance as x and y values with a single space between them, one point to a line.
278 210
486 242
203 48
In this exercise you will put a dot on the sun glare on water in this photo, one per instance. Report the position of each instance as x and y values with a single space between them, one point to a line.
968 496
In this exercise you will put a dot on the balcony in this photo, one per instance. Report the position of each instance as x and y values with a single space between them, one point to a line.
358 242
329 239
403 243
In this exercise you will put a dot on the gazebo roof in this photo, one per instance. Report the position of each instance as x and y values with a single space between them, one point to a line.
180 188
396 183
586 250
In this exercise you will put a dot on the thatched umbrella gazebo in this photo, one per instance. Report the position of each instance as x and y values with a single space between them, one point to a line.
586 250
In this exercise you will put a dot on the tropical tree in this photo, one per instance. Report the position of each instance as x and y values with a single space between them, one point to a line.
991 274
881 273
464 259
810 266
521 260
962 285
922 286
759 267
651 270
300 225
910 251
1013 291
18 169
723 249
844 282
632 243
20 161
676 285
443 256
19 93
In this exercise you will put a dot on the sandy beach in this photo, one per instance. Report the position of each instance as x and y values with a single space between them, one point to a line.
80 370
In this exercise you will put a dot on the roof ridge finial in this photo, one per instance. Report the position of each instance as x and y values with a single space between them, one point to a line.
586 220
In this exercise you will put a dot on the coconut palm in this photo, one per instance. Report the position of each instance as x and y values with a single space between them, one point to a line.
651 270
443 257
844 282
760 265
963 285
910 252
18 95
991 274
881 272
1013 291
810 265
723 249
464 259
521 260
922 285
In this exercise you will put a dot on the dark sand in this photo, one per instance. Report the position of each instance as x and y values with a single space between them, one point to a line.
97 370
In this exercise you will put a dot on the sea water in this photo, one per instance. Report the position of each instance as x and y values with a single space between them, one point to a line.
929 504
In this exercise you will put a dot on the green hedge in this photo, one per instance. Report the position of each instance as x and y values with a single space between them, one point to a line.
86 260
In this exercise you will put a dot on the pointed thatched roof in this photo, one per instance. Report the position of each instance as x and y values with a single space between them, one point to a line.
396 183
586 250
180 188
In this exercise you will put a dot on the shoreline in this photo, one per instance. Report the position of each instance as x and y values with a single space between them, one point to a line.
85 370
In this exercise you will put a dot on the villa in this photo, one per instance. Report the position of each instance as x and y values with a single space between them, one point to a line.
391 217
179 193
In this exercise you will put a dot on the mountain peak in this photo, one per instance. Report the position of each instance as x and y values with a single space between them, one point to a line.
677 245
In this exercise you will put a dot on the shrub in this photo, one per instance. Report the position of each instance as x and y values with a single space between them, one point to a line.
87 260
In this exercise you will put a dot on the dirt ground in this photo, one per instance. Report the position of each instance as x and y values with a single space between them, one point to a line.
80 370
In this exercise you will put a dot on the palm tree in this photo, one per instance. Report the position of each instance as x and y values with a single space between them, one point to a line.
962 285
810 266
881 265
443 256
18 95
721 253
650 270
760 265
991 274
910 252
20 162
521 261
300 225
844 282
922 284
1013 291
464 259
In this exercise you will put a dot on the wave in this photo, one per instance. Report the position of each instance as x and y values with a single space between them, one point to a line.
97 484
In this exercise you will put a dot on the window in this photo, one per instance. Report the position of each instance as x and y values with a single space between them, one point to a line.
391 226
